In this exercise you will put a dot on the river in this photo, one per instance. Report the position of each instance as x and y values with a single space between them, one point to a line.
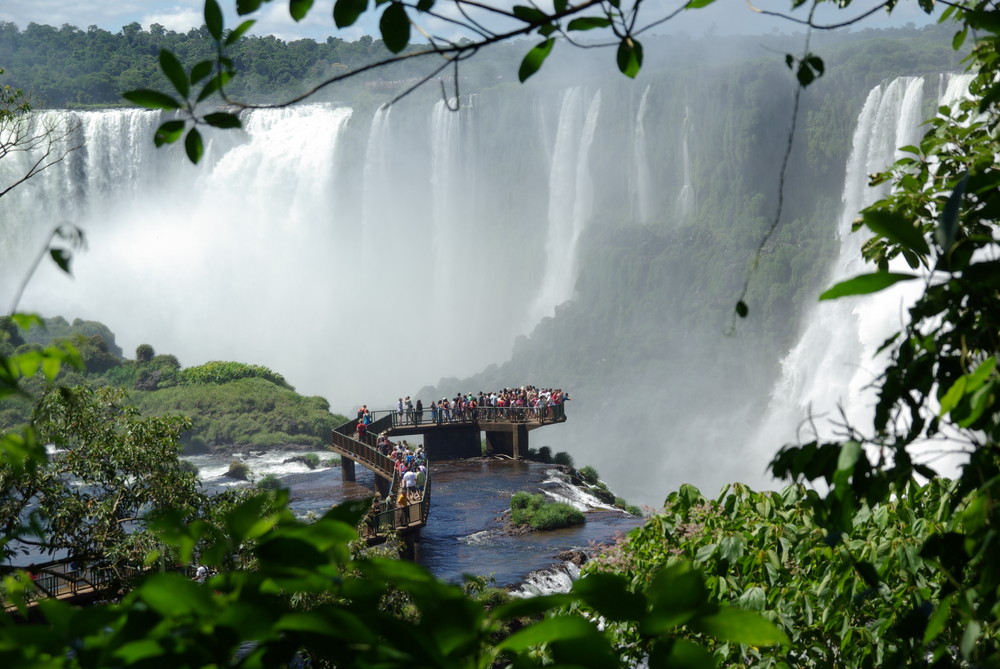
464 533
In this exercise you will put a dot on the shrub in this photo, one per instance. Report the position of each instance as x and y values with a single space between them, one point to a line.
589 474
227 372
541 514
144 353
269 482
563 458
239 471
311 460
555 515
545 454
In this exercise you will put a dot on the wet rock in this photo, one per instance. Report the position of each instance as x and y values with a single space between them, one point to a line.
574 556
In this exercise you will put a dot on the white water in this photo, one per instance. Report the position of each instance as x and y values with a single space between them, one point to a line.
827 377
643 180
570 199
352 274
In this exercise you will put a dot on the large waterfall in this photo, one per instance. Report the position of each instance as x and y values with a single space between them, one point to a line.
360 253
367 252
827 378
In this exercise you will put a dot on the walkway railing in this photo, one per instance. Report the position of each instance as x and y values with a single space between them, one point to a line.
392 517
362 451
384 419
64 579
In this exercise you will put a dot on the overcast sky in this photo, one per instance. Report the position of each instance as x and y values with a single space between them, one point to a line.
725 17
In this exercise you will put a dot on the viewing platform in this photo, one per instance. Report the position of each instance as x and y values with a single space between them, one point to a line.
447 438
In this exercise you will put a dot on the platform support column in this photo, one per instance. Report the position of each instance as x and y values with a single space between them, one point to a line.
347 469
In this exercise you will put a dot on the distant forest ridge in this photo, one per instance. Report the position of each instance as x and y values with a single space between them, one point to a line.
72 68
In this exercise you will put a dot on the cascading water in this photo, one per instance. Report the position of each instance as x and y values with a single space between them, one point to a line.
350 254
570 198
827 376
685 201
643 185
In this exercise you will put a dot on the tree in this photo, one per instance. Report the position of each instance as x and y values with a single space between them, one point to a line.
93 498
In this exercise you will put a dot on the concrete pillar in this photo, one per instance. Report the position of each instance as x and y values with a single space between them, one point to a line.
520 441
452 441
346 469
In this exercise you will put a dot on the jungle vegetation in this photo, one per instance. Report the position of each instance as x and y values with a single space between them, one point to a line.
231 406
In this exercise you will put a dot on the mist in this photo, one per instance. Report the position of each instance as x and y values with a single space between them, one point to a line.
581 231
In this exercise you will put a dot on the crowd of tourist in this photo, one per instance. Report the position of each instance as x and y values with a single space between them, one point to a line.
518 404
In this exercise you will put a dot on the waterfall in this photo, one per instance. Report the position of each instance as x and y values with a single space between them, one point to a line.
643 185
356 255
685 201
570 198
829 372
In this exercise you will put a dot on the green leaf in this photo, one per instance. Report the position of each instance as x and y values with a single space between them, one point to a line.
174 71
548 630
534 59
425 5
168 132
213 19
298 9
936 623
134 651
201 70
214 85
742 309
948 222
62 258
739 626
680 654
588 23
194 146
698 4
959 39
531 606
896 228
608 594
151 99
560 5
395 27
173 595
223 120
346 12
529 14
849 454
629 57
954 395
235 35
244 7
865 284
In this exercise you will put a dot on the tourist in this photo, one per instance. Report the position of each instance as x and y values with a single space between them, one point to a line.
410 483
399 410
419 415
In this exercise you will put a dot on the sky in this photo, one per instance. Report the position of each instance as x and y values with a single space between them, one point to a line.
724 17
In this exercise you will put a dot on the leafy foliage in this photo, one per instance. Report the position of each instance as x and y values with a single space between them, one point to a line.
227 372
849 598
540 513
92 497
